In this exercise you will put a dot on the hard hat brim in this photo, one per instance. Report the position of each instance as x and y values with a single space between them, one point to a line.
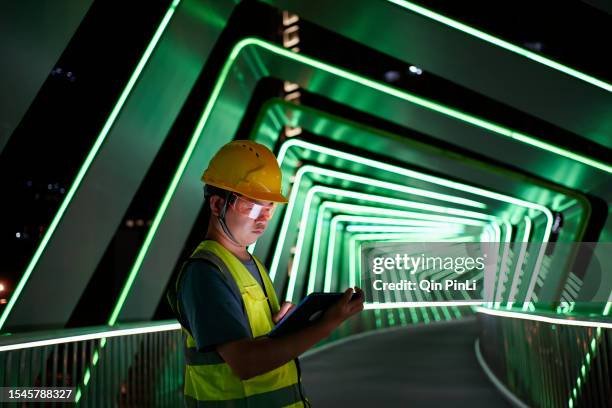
274 197
255 195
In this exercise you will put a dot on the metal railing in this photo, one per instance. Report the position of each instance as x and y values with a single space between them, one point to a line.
549 365
138 365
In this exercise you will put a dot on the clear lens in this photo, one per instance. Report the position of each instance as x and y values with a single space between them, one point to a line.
253 210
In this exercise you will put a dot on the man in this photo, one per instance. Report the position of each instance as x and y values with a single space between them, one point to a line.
225 300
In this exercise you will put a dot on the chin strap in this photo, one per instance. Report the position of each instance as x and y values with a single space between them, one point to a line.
221 219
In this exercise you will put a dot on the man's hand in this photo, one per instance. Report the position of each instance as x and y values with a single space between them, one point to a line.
343 309
284 309
251 357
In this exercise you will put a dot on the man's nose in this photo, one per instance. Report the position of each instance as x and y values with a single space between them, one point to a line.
262 220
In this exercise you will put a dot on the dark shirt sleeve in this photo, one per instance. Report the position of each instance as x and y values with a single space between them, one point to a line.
210 307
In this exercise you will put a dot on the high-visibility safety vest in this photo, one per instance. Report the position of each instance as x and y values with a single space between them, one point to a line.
209 380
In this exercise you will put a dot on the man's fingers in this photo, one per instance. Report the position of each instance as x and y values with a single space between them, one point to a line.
285 308
359 293
356 306
347 296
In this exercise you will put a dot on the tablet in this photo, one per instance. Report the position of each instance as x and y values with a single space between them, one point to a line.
308 311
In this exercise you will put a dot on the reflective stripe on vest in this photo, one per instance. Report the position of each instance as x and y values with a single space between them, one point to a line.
209 381
283 397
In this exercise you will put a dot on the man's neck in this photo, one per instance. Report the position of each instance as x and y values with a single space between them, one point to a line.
215 233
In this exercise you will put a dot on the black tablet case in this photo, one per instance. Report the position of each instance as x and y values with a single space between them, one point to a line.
307 312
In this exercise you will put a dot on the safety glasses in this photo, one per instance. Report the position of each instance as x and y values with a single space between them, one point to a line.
251 209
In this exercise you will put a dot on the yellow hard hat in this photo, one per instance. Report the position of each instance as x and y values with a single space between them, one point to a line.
248 168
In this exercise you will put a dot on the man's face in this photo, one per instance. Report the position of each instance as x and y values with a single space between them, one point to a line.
246 218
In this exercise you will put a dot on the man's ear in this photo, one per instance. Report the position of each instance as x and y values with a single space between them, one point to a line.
216 205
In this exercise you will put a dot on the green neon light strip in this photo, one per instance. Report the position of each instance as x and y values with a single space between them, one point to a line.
362 196
398 228
502 269
532 141
304 221
352 264
89 159
400 188
330 69
426 304
409 173
356 241
332 242
92 336
383 166
353 273
544 319
353 243
503 44
496 241
401 238
293 110
519 263
401 217
367 181
391 237
398 305
437 235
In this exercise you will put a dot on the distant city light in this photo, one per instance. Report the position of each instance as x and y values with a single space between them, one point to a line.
415 70
392 76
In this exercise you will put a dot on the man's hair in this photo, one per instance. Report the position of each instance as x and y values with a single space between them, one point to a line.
210 191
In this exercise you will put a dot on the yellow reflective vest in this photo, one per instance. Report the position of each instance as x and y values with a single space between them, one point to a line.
209 381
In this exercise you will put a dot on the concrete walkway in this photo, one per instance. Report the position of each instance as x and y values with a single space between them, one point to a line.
419 366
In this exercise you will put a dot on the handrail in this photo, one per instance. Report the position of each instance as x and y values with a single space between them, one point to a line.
586 320
43 338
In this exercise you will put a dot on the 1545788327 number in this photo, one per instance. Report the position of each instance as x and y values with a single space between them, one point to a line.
37 394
